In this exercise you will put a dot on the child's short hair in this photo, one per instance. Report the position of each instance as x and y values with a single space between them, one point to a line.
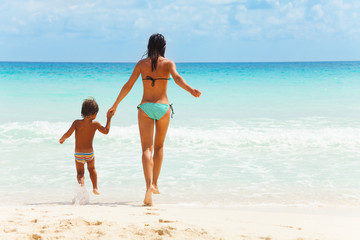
89 107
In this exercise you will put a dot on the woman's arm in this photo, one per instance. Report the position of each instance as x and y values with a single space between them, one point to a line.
181 82
68 133
126 88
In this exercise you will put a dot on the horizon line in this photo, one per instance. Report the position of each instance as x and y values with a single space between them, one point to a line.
114 62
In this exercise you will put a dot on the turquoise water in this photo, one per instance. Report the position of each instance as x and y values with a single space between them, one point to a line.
260 134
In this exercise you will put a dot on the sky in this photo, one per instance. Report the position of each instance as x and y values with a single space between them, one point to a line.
195 30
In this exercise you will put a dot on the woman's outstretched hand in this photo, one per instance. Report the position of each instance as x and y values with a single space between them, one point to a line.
111 111
196 93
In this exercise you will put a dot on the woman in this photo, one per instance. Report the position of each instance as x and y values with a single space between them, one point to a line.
154 108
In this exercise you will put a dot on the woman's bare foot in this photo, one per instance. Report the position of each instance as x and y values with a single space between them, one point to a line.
156 190
148 196
95 191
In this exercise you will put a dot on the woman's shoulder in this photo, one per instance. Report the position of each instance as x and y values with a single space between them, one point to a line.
161 59
167 62
143 61
162 62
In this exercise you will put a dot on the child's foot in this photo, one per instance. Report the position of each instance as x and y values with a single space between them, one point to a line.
95 191
148 196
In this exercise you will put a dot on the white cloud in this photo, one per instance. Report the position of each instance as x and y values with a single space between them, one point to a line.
242 15
274 20
298 19
293 12
73 7
113 24
317 9
113 20
275 3
222 2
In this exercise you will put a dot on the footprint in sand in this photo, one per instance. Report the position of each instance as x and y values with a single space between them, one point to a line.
97 233
163 231
10 230
265 238
150 213
75 222
36 237
153 209
285 226
165 221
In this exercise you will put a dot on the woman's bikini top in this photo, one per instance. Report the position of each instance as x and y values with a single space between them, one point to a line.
153 79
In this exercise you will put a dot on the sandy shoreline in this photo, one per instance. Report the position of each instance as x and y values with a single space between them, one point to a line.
126 221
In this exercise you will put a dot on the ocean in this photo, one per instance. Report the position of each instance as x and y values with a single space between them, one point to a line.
261 134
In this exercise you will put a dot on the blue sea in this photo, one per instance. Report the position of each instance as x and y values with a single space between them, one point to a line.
261 134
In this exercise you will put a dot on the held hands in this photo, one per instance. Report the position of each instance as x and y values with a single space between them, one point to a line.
111 112
196 93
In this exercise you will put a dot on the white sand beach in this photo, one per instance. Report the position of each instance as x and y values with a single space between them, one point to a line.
126 221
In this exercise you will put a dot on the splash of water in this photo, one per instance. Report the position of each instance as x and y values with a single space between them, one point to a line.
82 196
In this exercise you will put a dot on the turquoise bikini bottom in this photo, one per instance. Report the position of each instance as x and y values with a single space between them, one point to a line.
156 110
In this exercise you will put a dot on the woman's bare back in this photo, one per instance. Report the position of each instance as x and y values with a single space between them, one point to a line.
155 82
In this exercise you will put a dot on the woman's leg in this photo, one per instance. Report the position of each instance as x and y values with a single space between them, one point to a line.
146 128
160 134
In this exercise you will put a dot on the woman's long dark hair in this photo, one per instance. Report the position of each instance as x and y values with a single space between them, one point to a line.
156 47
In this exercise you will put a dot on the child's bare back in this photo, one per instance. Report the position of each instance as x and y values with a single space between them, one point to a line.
84 133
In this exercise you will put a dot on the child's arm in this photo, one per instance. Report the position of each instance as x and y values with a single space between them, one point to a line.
106 129
68 133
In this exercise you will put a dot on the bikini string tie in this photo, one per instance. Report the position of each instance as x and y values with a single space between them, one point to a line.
152 79
172 110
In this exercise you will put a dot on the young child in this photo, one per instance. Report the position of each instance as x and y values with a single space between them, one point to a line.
84 134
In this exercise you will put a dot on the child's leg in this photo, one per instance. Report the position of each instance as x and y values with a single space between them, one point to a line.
93 175
80 172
